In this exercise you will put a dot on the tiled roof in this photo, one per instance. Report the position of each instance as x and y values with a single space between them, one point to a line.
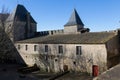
74 20
85 38
20 13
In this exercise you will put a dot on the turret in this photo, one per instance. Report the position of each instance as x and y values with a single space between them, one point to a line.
74 25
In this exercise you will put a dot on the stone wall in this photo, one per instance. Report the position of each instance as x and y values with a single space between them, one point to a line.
72 29
27 54
113 50
50 32
54 61
18 27
18 30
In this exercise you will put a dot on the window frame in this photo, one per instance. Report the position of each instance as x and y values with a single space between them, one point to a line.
46 48
74 62
35 47
78 50
60 49
19 47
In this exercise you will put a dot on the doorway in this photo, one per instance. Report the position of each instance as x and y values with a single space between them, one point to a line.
65 67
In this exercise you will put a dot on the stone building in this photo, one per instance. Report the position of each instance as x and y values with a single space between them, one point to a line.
20 25
79 52
73 48
74 25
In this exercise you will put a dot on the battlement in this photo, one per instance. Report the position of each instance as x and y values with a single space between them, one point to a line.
50 32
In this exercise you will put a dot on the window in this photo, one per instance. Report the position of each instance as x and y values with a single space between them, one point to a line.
35 47
74 62
78 50
18 47
26 47
60 49
46 48
56 60
51 32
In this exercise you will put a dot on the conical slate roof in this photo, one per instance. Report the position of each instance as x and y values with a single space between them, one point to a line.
74 20
20 14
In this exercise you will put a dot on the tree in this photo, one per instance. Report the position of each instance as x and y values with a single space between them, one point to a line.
3 16
6 46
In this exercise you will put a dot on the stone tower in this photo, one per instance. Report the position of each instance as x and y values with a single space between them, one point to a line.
20 24
74 25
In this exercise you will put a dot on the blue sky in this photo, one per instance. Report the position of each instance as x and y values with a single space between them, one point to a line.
98 15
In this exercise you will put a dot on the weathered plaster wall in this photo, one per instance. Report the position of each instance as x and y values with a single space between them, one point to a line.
27 55
91 55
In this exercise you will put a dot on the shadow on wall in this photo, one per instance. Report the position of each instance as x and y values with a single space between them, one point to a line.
8 52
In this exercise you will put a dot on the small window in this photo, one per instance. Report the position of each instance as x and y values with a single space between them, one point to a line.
35 47
78 50
51 32
18 47
46 48
74 62
60 49
26 47
56 60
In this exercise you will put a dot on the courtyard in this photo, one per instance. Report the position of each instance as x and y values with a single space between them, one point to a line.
9 72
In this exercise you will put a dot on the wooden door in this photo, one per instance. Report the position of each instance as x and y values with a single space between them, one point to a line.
65 67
